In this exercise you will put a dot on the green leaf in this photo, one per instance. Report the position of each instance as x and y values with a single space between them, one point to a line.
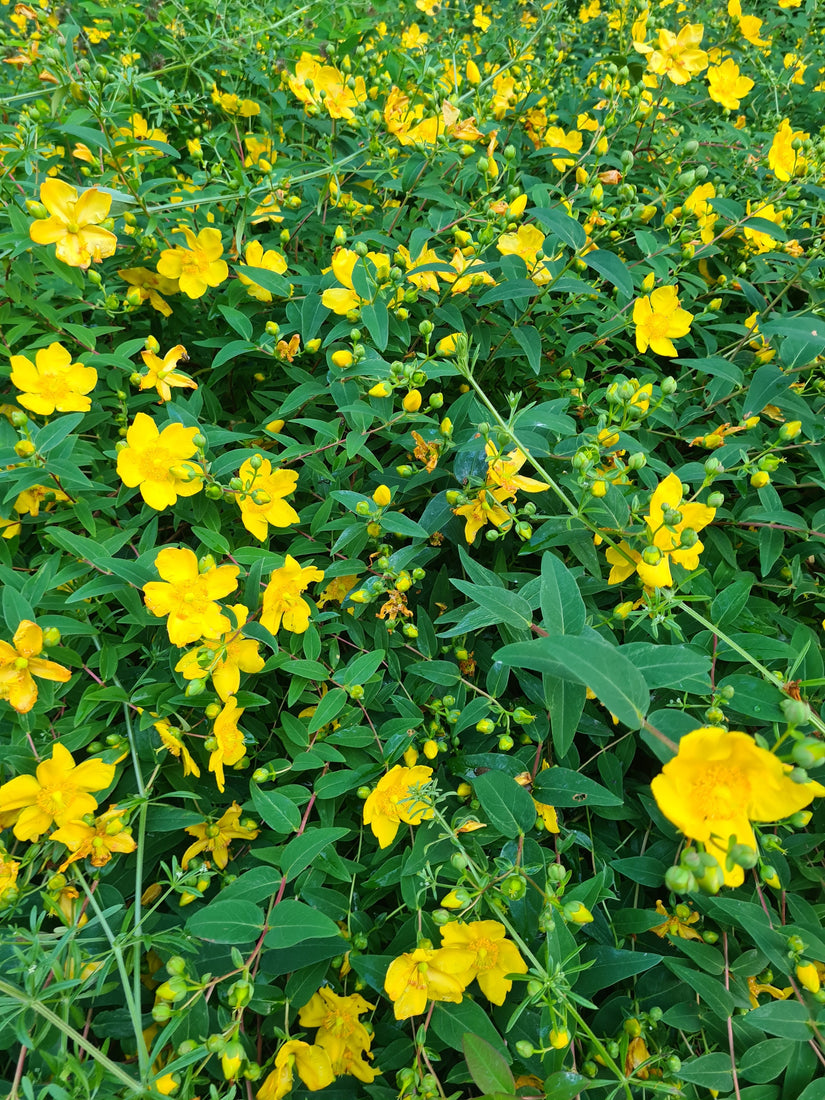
711 1071
507 607
588 660
487 1068
451 1022
766 386
561 225
710 991
787 1019
377 320
258 884
48 437
564 788
227 922
360 668
291 922
612 965
328 709
302 850
508 807
610 267
565 702
562 606
765 1061
814 1091
529 340
444 673
508 291
279 812
678 667
263 277
15 608
566 1085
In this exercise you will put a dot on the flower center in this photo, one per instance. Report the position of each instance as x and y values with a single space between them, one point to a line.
54 800
721 791
195 262
486 954
155 463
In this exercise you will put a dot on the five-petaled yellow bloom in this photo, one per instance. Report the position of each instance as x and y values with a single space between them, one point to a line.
783 160
188 596
263 505
489 956
215 837
268 260
424 975
74 225
58 792
282 603
158 462
718 783
224 658
161 374
726 85
343 298
229 740
659 320
98 842
340 1032
198 266
52 383
20 661
677 57
396 799
668 523
311 1062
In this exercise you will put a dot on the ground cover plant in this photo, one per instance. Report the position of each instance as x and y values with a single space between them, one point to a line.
412 566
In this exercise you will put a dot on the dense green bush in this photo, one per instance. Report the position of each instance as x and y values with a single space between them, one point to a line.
411 550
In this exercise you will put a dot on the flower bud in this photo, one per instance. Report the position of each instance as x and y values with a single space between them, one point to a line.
380 389
342 359
577 913
412 401
808 977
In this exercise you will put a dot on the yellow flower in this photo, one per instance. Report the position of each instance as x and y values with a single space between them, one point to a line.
424 975
198 266
338 100
759 239
230 747
395 799
343 298
269 260
503 473
808 976
138 129
282 601
74 225
58 792
224 658
755 988
215 837
749 28
659 320
783 160
467 275
157 462
267 483
52 383
547 813
337 589
20 661
29 501
162 374
490 956
677 924
424 280
97 842
718 783
726 85
483 509
150 287
171 740
340 1033
234 105
311 1062
677 57
556 138
666 539
526 242
8 878
188 596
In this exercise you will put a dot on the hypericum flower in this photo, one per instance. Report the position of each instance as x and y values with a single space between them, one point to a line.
502 473
808 976
158 463
340 1032
269 260
484 508
74 225
669 540
424 280
338 99
546 812
262 501
149 286
759 239
556 138
677 57
171 740
224 658
395 799
162 375
52 383
526 242
659 320
783 160
718 783
234 105
311 1062
750 27
8 878
726 85
98 842
282 603
489 956
678 923
343 298
755 988
29 501
215 837
229 740
424 975
198 266
337 589
20 661
58 792
139 129
467 274
188 596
